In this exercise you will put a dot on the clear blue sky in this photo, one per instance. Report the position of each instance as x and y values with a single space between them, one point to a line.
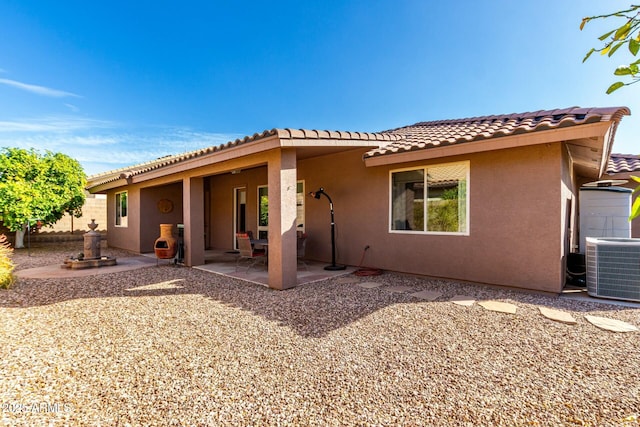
118 83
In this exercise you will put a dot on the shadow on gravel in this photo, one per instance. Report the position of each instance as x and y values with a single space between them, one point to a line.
311 310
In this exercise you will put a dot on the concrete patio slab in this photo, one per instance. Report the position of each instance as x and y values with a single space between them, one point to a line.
427 295
558 315
463 300
610 324
225 264
218 262
57 271
501 307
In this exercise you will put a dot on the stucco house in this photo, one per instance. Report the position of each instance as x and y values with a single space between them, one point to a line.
488 199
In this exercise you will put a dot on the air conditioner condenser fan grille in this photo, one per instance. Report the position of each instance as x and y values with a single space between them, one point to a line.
613 271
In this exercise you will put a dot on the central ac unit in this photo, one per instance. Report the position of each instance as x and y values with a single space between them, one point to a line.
613 268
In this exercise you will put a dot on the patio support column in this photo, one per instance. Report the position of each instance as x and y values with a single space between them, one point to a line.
282 174
193 216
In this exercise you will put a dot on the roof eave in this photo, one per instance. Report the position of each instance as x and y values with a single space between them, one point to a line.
277 138
596 129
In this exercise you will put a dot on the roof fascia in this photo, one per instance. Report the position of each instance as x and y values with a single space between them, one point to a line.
338 143
224 155
234 153
606 150
497 143
245 151
103 188
228 154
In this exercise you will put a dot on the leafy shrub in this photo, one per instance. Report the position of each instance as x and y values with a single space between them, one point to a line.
6 264
443 215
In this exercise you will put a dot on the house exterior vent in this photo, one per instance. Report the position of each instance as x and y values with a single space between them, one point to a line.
613 268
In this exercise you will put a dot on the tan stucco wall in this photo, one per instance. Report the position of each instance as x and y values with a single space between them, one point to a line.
125 237
517 223
569 237
515 220
144 218
221 199
152 217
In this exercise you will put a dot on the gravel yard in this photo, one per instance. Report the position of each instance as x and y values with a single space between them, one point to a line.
178 346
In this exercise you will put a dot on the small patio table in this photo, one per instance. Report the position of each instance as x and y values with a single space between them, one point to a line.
261 242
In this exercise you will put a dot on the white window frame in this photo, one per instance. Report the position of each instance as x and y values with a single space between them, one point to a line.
263 228
120 220
425 168
236 192
300 206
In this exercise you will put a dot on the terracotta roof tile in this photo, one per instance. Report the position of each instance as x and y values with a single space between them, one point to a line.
420 136
425 135
130 171
623 163
301 134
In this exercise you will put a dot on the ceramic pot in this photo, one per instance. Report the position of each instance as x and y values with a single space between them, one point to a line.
166 245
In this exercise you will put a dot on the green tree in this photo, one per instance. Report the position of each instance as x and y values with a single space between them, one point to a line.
635 209
36 187
6 263
626 35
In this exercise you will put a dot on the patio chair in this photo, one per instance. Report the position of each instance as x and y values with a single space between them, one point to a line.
247 252
256 245
302 244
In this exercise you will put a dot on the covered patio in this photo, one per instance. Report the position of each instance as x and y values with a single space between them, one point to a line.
218 192
225 263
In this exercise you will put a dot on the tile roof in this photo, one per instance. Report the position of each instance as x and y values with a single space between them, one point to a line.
128 171
619 163
425 135
419 136
335 135
293 134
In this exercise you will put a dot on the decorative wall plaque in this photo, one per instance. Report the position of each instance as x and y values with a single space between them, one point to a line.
165 205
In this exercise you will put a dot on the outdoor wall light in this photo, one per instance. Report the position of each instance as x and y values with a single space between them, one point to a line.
333 266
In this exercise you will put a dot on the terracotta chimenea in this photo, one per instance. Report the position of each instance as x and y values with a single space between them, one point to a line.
166 245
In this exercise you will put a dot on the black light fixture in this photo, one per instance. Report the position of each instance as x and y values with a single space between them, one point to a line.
333 266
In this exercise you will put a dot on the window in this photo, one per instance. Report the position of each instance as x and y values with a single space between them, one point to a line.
300 205
263 212
430 199
121 209
263 209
